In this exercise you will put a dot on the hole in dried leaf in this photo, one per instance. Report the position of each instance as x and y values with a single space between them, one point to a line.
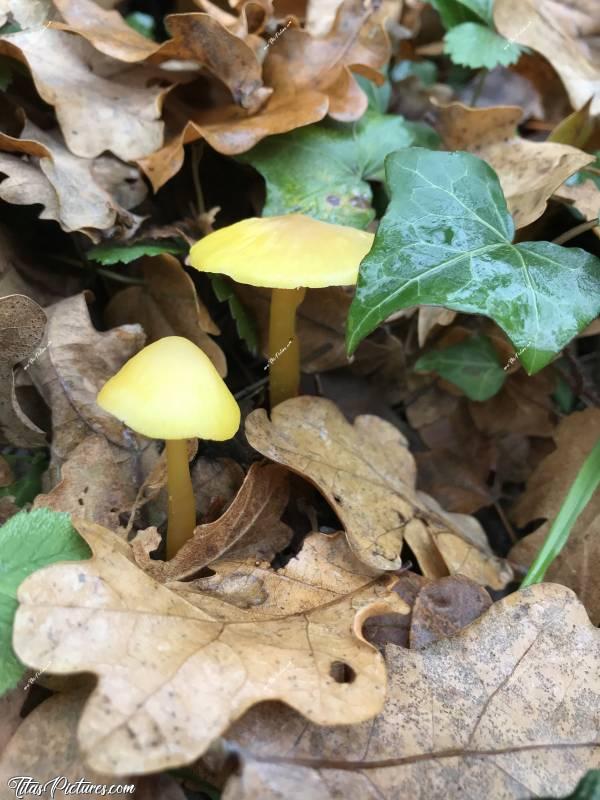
342 672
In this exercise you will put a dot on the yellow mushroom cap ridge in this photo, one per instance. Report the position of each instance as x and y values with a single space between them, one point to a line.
284 252
171 390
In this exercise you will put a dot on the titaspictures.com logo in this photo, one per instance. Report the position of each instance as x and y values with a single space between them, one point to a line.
24 786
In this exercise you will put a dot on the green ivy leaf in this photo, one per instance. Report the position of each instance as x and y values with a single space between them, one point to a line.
245 325
446 240
472 365
474 45
29 541
124 254
322 170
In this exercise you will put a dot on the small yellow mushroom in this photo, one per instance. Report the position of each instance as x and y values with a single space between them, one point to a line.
287 254
170 390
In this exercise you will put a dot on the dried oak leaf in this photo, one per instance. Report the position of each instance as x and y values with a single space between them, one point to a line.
172 676
252 524
97 483
230 129
324 571
75 364
22 324
308 77
563 31
44 746
324 63
576 566
81 194
508 708
99 106
368 475
529 172
167 305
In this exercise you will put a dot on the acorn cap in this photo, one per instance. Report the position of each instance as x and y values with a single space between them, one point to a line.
171 390
284 252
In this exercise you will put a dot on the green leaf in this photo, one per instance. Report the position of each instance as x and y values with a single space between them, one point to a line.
583 175
29 541
425 71
482 8
475 45
142 23
124 254
472 365
322 170
588 788
445 240
378 96
29 485
245 325
453 12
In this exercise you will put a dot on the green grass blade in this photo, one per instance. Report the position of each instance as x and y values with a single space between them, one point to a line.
579 495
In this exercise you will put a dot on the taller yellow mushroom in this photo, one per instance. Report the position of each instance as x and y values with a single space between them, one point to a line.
170 390
287 254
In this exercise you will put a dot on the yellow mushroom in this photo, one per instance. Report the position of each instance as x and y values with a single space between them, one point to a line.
170 390
287 254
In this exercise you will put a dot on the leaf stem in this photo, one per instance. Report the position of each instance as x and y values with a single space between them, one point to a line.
578 496
576 231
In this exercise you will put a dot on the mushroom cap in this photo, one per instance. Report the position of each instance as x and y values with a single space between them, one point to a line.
284 252
171 390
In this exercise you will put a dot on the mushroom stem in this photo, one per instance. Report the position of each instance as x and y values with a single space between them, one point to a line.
182 504
284 351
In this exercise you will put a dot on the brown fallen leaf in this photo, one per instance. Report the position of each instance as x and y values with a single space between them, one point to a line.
505 709
529 172
523 405
323 63
196 37
167 305
44 747
22 324
576 565
97 483
585 197
98 106
563 31
324 571
444 607
429 317
78 193
230 129
367 474
308 78
76 362
251 525
163 664
105 29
